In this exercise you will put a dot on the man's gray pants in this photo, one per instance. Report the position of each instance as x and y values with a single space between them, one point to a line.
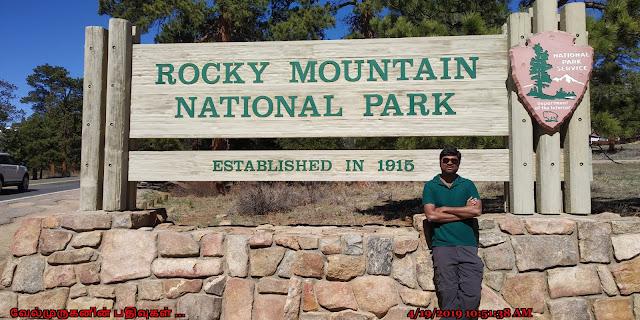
458 278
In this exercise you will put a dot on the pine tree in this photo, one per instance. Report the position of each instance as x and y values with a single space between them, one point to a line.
57 98
8 112
615 79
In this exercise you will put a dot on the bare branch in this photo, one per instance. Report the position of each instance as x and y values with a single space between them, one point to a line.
594 5
344 4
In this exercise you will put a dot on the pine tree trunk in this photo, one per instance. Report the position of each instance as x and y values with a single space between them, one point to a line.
365 26
612 146
225 26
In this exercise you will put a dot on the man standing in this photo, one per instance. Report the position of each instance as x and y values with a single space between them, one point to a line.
451 204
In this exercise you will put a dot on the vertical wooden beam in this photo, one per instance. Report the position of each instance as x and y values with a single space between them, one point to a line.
577 154
93 114
521 195
549 187
117 116
132 186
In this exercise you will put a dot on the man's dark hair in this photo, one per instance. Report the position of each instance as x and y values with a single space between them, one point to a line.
450 151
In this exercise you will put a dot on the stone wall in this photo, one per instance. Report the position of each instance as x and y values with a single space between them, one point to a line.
563 267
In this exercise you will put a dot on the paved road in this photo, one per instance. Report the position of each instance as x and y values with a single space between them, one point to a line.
40 187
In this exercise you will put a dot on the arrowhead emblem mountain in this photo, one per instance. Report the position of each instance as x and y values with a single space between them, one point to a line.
567 78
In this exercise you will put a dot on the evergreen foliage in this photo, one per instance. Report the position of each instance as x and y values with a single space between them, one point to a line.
615 80
53 134
224 20
415 18
8 112
34 142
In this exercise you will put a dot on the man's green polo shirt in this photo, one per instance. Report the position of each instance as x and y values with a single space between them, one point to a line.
457 233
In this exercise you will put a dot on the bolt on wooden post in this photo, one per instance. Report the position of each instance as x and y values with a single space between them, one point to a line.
117 115
577 154
548 187
94 100
521 174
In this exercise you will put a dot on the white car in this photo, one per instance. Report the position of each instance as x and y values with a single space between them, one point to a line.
13 173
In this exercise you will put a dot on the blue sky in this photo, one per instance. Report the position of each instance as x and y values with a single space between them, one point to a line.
45 31
35 32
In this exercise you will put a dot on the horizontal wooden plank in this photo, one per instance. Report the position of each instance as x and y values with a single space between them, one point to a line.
327 165
478 97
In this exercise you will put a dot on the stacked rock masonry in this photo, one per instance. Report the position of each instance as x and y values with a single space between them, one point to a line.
565 267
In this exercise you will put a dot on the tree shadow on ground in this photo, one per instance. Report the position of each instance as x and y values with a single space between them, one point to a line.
405 209
624 207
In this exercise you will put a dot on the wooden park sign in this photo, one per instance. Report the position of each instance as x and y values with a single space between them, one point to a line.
436 86
337 88
344 88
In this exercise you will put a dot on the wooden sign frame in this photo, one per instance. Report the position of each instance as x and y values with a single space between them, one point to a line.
137 91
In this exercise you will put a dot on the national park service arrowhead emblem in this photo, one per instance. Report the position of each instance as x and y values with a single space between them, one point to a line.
551 75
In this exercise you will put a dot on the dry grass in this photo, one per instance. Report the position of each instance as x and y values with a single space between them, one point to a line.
306 203
616 188
629 151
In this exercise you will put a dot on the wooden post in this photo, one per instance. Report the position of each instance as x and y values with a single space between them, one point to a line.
577 154
117 116
549 187
132 186
521 195
93 114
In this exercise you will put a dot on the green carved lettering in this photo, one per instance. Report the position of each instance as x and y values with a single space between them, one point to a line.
229 100
402 62
373 64
443 103
166 73
246 114
445 68
309 105
346 70
204 73
336 72
196 73
258 72
392 103
369 103
412 104
289 108
232 72
269 107
309 70
425 67
471 71
329 114
208 106
186 107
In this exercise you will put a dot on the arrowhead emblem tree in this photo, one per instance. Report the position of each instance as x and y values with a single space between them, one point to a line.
539 67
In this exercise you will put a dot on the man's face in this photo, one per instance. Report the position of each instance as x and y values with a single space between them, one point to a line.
449 164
